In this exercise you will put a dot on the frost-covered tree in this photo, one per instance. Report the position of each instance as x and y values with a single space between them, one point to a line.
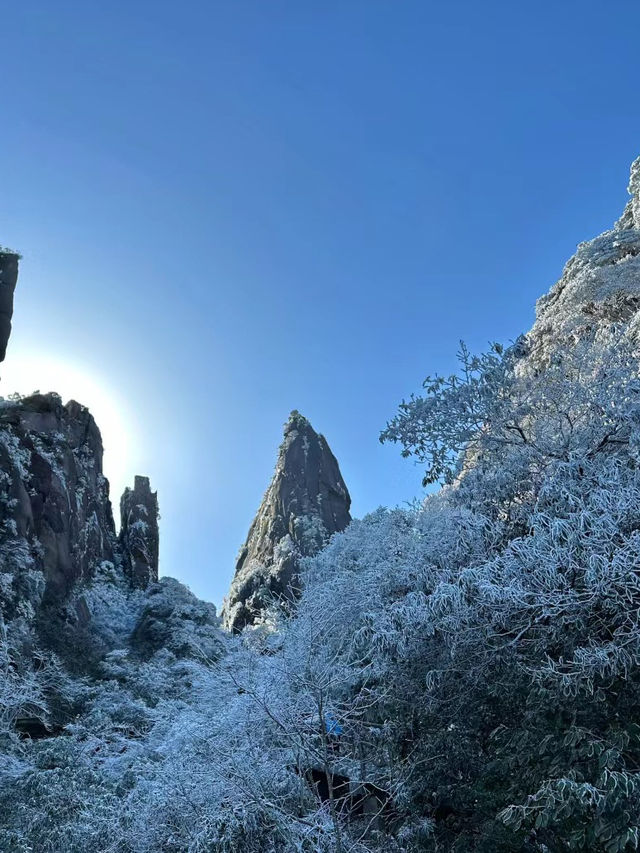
461 676
505 656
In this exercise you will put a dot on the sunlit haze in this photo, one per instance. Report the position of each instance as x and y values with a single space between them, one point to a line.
28 371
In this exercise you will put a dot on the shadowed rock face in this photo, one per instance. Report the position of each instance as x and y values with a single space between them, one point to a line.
8 280
56 522
306 502
139 537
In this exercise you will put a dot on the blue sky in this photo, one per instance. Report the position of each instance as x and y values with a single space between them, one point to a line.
231 209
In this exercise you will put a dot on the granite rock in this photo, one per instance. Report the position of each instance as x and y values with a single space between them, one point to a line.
307 501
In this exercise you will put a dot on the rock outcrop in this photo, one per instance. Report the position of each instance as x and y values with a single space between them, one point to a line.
139 536
174 619
56 523
8 279
600 285
306 502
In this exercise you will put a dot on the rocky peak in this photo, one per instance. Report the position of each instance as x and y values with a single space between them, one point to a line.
631 215
307 501
56 522
139 536
8 279
600 284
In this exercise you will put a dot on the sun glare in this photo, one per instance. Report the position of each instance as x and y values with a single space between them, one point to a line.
25 374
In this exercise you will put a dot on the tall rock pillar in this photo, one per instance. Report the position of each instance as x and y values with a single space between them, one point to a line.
306 502
139 536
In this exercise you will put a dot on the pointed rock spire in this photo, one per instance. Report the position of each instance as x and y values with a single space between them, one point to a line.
139 536
306 502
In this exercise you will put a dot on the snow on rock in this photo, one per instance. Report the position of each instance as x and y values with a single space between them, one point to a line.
139 536
600 284
54 500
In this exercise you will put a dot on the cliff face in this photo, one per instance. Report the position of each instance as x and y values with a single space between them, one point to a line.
8 279
56 521
306 502
56 524
139 537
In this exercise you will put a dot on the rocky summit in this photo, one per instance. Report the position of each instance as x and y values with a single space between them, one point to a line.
56 522
55 513
307 501
600 285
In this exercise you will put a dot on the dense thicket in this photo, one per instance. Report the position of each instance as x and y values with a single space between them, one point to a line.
459 676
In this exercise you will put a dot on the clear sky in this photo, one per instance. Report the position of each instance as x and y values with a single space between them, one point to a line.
231 209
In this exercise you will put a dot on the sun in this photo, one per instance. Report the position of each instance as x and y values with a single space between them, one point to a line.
25 373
